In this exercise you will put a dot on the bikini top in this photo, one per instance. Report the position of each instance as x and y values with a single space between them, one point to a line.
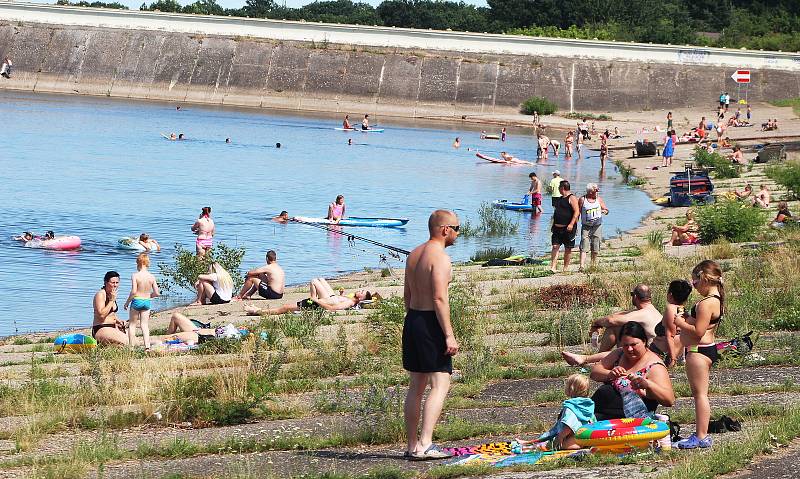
623 382
693 311
115 308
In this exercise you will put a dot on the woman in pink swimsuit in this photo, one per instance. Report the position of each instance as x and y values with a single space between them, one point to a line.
336 209
204 228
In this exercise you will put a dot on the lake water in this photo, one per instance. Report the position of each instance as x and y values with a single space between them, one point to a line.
99 169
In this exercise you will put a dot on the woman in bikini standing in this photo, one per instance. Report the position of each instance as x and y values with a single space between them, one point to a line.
204 228
106 327
698 336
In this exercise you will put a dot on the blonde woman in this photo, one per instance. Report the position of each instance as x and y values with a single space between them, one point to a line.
698 335
686 234
216 287
143 289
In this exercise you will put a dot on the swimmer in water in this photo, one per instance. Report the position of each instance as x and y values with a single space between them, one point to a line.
180 136
277 145
349 141
173 137
227 140
457 142
282 218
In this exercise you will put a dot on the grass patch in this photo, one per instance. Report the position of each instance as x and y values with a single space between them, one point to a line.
788 102
486 254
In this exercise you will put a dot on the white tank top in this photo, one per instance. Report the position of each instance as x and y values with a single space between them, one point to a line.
591 212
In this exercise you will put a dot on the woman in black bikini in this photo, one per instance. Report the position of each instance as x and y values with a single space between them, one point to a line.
106 327
698 335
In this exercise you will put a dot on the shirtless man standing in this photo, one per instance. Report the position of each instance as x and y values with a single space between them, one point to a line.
269 280
143 289
535 193
428 340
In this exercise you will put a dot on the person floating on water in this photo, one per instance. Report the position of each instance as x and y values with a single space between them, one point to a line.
346 123
336 209
365 122
282 218
5 70
277 145
181 137
349 141
173 136
149 243
457 142
227 140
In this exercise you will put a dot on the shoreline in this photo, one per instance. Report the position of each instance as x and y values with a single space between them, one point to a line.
654 184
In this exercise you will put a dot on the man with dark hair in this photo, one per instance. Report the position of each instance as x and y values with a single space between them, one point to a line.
269 280
565 219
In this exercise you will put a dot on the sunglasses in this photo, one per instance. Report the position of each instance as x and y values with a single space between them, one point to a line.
452 227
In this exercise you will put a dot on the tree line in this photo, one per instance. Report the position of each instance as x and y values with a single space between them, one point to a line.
754 24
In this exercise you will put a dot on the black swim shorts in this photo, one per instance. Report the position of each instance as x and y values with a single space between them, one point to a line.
424 345
268 293
563 237
308 304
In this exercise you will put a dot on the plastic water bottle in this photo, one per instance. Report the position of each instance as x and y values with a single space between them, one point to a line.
665 443
632 404
595 339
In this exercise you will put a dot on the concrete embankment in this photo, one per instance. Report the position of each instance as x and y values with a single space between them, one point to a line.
301 66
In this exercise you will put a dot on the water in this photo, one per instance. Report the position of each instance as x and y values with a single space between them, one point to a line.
99 168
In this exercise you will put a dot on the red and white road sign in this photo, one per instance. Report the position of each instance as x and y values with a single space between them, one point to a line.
741 76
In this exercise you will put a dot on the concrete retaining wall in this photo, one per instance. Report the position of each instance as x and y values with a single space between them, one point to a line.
309 75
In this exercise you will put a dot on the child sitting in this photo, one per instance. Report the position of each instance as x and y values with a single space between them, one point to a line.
576 412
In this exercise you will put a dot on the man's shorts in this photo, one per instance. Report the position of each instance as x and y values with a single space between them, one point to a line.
268 293
563 237
591 236
424 344
536 199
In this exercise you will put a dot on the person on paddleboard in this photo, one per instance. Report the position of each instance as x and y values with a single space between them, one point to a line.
336 210
365 122
346 123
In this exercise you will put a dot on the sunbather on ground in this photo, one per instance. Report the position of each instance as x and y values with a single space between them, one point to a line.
686 234
181 327
321 296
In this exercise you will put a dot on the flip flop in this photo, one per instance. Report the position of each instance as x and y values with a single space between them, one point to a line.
432 453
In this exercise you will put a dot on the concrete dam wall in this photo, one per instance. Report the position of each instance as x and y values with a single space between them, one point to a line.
185 65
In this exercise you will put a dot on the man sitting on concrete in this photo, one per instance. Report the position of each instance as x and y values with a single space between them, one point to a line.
268 280
643 313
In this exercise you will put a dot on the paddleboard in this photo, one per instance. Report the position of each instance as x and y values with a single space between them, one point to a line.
501 161
508 205
371 130
491 137
357 221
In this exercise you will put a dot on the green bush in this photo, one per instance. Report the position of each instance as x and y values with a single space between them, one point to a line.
786 175
723 167
493 222
543 106
730 220
577 115
188 266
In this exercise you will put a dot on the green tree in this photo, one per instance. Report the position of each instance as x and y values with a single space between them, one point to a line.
114 5
340 11
204 7
163 6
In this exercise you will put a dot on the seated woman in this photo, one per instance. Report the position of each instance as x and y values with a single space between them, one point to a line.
322 296
686 234
216 287
783 217
149 243
106 327
725 143
635 372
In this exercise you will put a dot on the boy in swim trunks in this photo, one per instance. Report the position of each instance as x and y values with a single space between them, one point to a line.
143 289
268 280
535 192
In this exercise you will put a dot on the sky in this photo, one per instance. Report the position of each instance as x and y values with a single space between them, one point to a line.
134 4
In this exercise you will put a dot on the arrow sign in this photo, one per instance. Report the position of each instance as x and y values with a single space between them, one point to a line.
741 76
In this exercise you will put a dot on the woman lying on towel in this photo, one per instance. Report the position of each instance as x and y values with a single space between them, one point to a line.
322 296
